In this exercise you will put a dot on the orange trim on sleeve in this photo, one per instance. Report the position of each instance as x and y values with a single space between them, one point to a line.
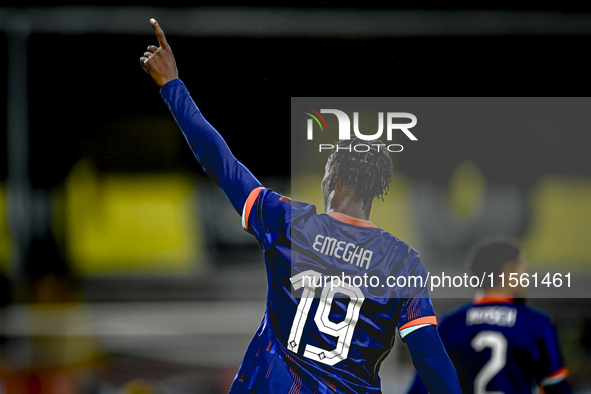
561 373
421 320
249 203
555 378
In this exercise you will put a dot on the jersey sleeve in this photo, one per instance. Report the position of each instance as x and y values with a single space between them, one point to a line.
552 365
265 215
417 386
432 362
417 310
208 146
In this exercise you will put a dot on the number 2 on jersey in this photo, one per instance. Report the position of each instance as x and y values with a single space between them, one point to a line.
498 358
342 330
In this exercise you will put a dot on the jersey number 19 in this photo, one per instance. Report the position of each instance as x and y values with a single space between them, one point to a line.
343 330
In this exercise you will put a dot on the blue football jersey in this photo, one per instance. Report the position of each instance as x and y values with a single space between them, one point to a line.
326 337
500 345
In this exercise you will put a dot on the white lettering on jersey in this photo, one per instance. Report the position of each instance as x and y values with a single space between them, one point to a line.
346 251
494 315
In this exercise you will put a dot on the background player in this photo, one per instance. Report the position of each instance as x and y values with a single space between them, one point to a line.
335 342
496 343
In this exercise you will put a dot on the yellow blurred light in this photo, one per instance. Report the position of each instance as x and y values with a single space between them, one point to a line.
133 224
466 190
561 217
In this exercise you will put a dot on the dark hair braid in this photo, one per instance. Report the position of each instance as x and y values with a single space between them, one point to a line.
369 173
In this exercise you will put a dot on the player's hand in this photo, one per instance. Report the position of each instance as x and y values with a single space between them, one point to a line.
159 61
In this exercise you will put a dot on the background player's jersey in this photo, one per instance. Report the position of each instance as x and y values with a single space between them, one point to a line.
498 345
327 337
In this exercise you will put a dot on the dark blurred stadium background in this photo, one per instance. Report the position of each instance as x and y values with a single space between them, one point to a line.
124 270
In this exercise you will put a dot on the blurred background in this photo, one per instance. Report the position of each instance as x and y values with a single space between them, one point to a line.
124 270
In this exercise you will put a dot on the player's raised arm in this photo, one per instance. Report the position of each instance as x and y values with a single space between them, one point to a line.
209 148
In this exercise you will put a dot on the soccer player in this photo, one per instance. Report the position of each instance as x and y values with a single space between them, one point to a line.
317 336
496 343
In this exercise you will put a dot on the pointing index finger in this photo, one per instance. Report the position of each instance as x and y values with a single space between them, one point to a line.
159 33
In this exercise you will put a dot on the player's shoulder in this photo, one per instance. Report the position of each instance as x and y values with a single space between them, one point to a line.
270 198
298 210
271 211
404 249
393 245
535 317
405 259
393 242
404 246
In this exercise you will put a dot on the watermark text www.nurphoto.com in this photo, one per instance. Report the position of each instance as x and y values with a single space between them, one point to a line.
441 281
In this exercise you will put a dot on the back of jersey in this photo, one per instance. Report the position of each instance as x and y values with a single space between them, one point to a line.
330 305
501 346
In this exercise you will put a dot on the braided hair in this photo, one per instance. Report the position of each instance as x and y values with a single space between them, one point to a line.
368 173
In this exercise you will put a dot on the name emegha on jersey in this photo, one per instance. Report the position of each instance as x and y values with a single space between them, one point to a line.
494 315
346 251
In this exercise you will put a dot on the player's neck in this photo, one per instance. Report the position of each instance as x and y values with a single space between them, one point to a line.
354 213
349 205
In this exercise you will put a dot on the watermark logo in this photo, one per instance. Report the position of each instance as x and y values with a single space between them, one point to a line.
314 116
345 128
